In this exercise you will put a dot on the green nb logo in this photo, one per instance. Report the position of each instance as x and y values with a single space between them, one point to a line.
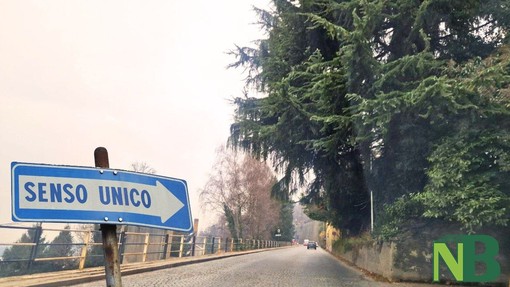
464 268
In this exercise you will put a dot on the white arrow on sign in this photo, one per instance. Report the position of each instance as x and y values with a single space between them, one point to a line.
58 193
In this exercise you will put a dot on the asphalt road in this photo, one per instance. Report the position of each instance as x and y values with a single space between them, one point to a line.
294 266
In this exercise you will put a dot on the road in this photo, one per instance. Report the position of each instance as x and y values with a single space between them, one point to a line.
294 266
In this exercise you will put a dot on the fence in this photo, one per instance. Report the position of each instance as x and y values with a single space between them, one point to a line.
83 248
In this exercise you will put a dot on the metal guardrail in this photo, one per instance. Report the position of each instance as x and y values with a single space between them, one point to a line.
133 247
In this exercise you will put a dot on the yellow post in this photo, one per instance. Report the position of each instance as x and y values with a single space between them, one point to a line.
84 249
181 249
146 247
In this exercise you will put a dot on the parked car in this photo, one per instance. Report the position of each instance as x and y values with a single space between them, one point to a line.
311 244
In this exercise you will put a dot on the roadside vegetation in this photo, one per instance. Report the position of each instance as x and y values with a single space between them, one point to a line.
407 99
16 259
239 192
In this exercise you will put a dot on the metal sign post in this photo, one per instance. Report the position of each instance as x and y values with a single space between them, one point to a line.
371 211
109 234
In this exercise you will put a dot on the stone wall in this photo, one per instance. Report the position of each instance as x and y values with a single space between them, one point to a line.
380 259
411 261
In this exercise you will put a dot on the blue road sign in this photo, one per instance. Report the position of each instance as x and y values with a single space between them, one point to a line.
52 193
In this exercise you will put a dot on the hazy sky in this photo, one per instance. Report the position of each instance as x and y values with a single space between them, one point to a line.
145 79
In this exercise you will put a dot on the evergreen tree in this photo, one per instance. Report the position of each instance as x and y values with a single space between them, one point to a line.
286 225
95 255
408 99
290 126
18 256
61 246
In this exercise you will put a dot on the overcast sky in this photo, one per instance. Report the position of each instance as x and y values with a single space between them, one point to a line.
145 79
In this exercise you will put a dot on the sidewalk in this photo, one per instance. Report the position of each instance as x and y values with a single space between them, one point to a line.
70 277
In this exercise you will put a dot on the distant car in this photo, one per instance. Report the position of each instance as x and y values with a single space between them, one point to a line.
311 244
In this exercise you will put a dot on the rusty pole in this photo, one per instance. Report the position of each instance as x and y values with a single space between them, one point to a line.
109 234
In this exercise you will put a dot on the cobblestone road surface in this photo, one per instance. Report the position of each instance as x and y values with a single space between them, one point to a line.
295 266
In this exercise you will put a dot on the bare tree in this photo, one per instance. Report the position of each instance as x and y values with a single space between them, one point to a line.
239 189
142 167
219 229
263 212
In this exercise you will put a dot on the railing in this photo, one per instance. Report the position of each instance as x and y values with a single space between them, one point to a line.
85 248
